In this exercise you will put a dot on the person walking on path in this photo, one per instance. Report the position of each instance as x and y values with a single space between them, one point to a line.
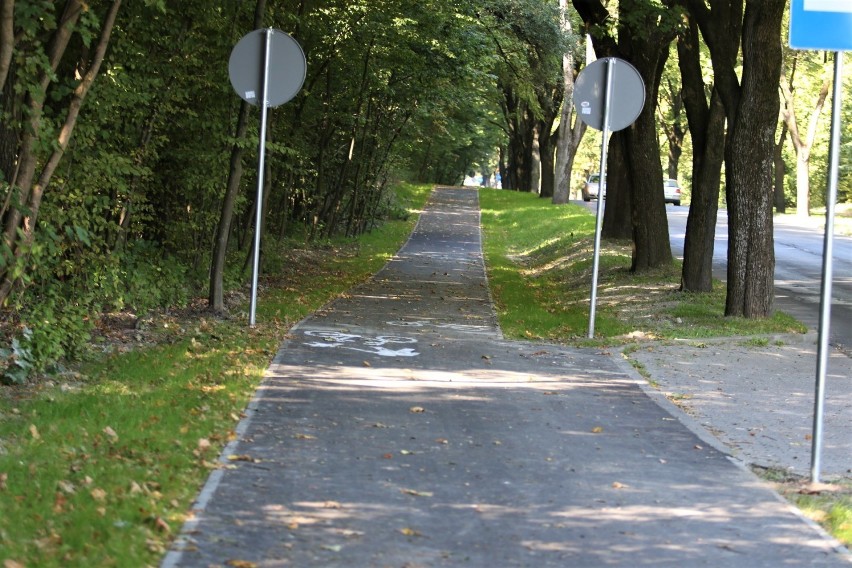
396 427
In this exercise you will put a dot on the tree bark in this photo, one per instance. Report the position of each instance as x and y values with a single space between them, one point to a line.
751 106
751 255
706 120
780 172
618 214
535 159
7 38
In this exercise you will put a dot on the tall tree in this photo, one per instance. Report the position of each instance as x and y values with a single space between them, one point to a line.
803 142
569 135
528 39
751 106
215 295
34 171
644 31
706 119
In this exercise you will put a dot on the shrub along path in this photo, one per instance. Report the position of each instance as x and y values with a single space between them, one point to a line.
396 427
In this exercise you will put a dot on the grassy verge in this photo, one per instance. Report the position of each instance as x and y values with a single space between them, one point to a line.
830 505
99 468
540 268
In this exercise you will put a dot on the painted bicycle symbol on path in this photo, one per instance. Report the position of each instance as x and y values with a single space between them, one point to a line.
381 345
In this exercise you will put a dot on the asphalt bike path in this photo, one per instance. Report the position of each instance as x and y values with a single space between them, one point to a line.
396 427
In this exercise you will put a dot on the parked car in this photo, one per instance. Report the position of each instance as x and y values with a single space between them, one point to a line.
590 188
671 189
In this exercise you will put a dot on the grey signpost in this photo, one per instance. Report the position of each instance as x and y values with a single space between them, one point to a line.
267 67
824 24
609 95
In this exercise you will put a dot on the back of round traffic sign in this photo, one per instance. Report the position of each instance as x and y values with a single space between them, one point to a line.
627 94
287 67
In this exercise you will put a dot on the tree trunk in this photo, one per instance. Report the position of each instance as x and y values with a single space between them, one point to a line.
751 256
780 172
546 155
215 297
535 160
618 217
804 145
751 106
643 41
7 38
707 128
567 143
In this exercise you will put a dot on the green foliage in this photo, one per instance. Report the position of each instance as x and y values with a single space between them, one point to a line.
18 359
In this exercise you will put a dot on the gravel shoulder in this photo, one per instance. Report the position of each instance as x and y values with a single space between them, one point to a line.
756 398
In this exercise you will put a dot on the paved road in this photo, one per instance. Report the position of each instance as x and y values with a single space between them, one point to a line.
397 428
798 268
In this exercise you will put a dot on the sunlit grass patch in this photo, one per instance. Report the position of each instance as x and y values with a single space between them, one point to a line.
540 261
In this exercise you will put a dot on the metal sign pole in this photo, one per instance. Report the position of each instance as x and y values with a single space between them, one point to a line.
610 68
827 271
264 99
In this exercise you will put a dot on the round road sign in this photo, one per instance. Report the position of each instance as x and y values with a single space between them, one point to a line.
287 67
627 96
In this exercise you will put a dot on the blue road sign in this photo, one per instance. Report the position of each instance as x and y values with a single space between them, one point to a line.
821 24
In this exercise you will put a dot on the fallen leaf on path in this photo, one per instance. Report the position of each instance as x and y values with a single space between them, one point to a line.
388 456
416 493
332 547
417 409
304 437
406 452
242 458
241 564
618 485
597 429
367 364
407 531
441 441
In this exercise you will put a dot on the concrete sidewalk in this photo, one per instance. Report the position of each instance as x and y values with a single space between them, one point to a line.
397 428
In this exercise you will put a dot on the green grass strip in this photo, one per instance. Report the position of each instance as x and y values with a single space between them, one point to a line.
539 259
